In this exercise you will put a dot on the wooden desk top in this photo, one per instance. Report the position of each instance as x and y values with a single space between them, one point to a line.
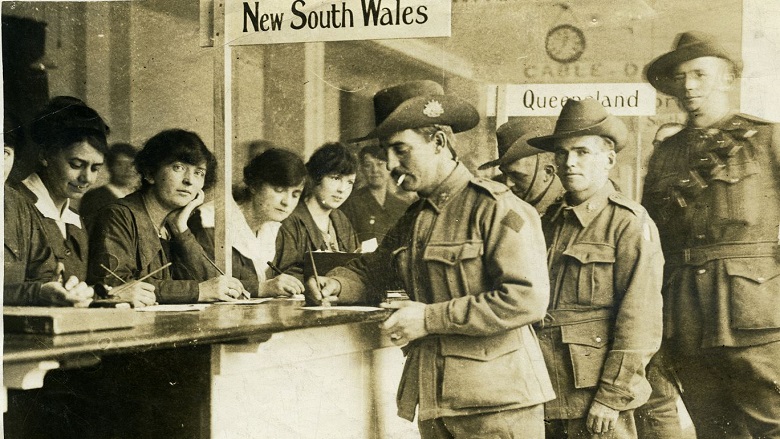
215 324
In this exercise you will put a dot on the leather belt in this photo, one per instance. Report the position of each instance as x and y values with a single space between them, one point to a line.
704 254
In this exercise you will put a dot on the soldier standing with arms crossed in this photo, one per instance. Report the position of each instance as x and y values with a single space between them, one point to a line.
471 257
714 190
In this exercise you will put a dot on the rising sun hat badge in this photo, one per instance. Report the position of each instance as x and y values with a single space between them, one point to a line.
433 109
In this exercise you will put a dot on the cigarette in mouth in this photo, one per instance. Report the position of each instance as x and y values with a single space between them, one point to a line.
400 180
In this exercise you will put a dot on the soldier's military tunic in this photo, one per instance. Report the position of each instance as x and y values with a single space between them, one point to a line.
715 194
603 322
474 253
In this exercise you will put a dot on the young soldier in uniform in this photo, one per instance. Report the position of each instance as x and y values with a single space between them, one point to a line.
470 255
603 322
529 172
714 190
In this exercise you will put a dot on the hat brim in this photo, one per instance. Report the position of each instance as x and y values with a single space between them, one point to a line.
659 71
519 149
455 112
610 127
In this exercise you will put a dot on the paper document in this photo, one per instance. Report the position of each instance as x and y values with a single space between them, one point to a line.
174 308
343 308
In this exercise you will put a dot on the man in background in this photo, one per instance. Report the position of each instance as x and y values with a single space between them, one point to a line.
373 209
529 172
123 180
714 190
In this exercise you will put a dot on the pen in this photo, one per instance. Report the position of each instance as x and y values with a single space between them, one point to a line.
154 272
274 268
317 279
244 292
112 273
214 264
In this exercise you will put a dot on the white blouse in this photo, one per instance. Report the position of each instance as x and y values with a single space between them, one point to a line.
259 246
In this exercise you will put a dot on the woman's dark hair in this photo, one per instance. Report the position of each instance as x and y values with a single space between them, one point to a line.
174 145
276 167
13 133
65 121
330 158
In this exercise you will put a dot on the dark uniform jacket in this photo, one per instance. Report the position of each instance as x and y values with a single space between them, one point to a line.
299 233
93 201
28 261
72 250
474 253
715 194
369 218
604 320
124 240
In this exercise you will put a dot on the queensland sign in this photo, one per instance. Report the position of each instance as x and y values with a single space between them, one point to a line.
295 21
620 99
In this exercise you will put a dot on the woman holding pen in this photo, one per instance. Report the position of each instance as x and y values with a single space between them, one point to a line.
317 223
138 235
32 275
71 140
274 182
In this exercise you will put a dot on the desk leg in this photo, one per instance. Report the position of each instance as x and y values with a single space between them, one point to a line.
24 376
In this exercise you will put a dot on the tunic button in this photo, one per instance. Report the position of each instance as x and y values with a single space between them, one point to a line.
701 271
67 252
598 339
701 236
760 280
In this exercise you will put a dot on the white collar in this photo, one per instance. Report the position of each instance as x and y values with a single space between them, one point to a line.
244 239
45 204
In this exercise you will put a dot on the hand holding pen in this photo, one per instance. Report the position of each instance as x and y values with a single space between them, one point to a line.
136 292
243 293
281 285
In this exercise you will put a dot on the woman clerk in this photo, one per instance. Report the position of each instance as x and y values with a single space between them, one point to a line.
274 182
30 269
317 224
141 233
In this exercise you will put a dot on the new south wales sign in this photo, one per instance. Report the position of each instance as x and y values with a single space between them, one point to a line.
295 21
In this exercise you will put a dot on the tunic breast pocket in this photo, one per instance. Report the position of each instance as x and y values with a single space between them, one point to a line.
588 278
455 266
736 193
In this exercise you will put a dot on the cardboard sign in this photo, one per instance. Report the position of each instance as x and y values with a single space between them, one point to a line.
620 99
296 21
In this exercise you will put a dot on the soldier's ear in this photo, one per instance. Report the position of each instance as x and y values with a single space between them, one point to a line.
729 76
612 158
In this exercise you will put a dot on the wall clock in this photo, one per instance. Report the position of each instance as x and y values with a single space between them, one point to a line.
565 43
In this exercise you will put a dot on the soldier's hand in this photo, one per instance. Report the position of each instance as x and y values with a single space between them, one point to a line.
326 293
407 323
601 418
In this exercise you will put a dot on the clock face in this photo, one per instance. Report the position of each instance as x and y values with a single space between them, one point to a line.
565 43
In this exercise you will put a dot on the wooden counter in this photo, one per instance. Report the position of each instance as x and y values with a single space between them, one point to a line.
266 370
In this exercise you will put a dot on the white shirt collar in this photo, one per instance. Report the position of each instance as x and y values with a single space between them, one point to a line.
46 206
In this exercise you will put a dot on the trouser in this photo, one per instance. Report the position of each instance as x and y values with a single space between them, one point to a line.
659 418
523 423
732 392
625 428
